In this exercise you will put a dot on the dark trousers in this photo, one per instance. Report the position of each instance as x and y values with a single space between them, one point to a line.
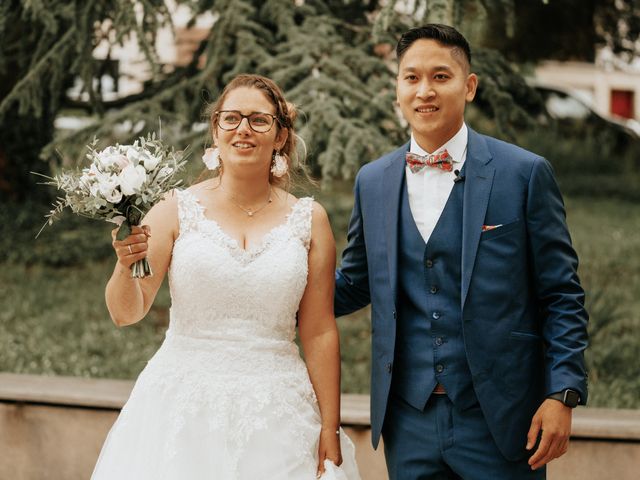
441 442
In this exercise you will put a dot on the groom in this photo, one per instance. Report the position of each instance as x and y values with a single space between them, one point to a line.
460 244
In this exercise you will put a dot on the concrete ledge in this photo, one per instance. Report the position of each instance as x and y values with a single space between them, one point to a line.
588 423
53 428
70 391
112 394
606 424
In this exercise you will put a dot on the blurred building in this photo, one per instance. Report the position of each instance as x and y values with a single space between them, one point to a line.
610 90
129 67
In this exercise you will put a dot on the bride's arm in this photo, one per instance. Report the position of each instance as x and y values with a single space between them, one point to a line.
319 333
129 299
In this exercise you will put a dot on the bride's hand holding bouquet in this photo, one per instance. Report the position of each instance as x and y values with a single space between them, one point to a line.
120 185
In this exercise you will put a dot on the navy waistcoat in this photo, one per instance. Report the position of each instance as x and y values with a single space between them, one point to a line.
429 342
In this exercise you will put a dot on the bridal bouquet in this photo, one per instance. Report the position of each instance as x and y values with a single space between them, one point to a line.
120 185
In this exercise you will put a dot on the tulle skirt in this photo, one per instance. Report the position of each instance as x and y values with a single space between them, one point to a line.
187 419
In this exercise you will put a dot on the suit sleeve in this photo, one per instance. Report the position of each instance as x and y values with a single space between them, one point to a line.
561 298
352 278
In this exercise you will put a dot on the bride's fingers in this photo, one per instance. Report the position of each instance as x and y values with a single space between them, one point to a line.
137 250
134 248
321 458
335 459
134 239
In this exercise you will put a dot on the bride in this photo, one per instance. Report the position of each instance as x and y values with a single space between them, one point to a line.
227 395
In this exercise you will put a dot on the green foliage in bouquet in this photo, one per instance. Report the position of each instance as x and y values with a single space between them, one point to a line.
120 185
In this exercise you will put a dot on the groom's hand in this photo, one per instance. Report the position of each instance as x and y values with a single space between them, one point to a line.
553 422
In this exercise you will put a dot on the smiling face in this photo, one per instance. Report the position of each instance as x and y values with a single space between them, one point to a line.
433 87
244 147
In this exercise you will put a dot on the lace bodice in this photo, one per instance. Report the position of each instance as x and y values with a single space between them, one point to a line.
219 290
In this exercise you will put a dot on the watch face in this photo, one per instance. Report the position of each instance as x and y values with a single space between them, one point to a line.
571 398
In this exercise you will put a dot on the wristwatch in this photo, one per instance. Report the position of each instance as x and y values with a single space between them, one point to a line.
569 397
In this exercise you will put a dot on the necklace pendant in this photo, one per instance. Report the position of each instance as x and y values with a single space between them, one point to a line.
250 213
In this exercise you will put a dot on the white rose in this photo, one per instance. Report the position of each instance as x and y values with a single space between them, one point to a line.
131 179
121 161
133 155
114 196
105 158
150 162
109 188
92 171
94 189
86 178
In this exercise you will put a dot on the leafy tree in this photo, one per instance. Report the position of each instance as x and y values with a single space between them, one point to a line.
324 61
332 57
45 45
528 31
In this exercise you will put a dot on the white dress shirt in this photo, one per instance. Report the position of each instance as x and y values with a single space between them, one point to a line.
429 188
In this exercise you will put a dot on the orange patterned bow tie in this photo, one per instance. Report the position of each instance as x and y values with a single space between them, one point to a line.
440 160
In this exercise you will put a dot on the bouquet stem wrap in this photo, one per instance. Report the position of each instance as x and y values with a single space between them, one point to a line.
133 215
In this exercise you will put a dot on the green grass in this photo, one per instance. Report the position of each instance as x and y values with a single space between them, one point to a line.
53 320
606 235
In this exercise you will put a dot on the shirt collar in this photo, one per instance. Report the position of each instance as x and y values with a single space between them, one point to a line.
456 146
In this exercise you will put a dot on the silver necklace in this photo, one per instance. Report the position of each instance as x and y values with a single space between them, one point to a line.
250 212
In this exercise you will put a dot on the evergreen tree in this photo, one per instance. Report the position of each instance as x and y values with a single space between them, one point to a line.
45 45
328 55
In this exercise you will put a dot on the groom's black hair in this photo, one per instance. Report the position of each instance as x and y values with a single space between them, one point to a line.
443 34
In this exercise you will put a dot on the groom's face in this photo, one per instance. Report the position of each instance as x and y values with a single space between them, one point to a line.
434 85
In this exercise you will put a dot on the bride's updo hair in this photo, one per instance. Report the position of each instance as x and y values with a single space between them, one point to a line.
286 114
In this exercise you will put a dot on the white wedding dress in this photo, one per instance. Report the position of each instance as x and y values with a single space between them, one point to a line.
227 395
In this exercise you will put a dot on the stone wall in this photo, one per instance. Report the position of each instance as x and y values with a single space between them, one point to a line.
52 428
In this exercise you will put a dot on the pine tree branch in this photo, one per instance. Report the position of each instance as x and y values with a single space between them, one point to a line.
34 72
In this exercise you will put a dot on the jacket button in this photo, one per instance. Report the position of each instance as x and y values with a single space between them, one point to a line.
395 315
439 368
436 315
433 289
429 263
389 367
439 341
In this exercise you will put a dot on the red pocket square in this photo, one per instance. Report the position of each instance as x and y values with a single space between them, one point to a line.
486 228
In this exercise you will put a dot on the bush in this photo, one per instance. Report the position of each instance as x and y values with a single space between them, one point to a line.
591 158
70 241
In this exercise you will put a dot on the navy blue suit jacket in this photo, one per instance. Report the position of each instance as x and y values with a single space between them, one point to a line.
524 322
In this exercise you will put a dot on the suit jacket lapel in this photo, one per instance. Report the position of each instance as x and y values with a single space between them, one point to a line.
478 182
391 191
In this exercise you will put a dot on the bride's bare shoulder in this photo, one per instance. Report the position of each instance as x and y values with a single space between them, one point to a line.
201 187
287 198
169 204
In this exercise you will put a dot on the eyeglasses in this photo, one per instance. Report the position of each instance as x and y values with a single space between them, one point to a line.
258 121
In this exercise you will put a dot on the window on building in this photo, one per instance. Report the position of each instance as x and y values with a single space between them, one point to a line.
622 103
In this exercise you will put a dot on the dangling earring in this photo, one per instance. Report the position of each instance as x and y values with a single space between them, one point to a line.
279 164
211 158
